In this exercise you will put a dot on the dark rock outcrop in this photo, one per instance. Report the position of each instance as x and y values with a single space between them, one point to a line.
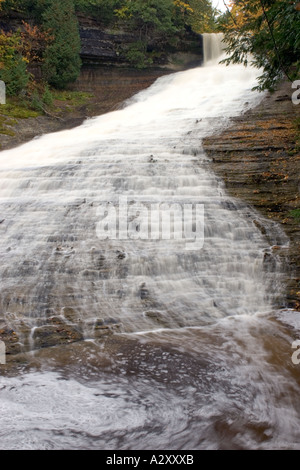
103 46
98 46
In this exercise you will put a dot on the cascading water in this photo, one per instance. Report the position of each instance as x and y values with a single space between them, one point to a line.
69 265
213 47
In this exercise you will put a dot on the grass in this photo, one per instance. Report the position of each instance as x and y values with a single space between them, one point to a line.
72 98
6 131
295 213
5 125
18 110
67 101
11 112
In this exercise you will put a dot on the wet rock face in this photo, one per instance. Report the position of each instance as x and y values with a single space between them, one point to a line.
10 338
258 158
100 45
20 336
55 332
103 47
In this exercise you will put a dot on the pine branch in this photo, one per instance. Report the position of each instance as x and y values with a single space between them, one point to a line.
274 42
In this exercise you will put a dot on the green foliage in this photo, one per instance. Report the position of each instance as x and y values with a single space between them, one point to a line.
103 10
61 51
295 213
5 125
202 18
152 21
137 55
18 111
12 64
156 24
61 59
15 76
40 99
32 9
11 112
73 98
148 16
47 97
267 34
36 102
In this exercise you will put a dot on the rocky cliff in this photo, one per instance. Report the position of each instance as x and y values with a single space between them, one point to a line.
104 46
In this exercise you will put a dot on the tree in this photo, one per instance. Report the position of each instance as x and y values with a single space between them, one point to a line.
61 58
202 16
265 33
181 12
103 10
31 9
153 22
148 16
34 43
12 64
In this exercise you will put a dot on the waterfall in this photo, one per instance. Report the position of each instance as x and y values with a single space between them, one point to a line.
213 47
136 289
62 258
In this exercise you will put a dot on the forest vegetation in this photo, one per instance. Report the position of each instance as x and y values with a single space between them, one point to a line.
49 37
264 32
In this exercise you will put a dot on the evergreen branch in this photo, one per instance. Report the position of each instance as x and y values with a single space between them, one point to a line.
274 42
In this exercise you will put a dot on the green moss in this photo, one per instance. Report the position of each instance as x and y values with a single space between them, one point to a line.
6 131
18 111
11 122
74 98
4 122
295 213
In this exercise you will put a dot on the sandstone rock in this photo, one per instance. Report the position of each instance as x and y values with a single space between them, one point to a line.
11 340
56 333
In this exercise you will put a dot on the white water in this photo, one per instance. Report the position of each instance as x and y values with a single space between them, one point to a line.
54 265
53 189
213 48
